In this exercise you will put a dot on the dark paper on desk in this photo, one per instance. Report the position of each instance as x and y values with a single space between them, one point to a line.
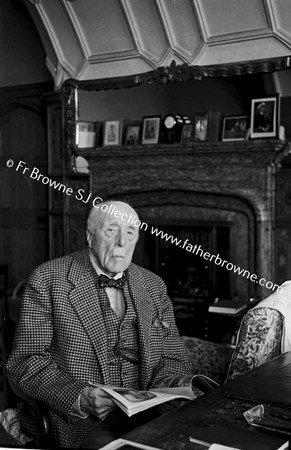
269 383
227 307
239 438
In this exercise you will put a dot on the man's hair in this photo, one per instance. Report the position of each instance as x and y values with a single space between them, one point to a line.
96 215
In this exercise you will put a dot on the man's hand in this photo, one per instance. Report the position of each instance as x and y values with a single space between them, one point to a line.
95 401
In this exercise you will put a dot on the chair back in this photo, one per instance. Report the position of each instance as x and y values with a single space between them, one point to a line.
208 358
259 340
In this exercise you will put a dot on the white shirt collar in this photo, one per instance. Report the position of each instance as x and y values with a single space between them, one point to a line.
100 271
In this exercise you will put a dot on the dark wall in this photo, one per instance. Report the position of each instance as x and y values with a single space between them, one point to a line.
22 53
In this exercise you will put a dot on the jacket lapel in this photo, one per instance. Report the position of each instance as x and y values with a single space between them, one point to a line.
143 303
84 298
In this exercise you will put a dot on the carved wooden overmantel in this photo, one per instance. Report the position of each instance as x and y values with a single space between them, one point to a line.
224 178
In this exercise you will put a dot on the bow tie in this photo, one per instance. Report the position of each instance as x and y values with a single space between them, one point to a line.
111 282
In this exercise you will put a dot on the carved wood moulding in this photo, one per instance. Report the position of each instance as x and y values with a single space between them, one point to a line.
215 159
184 72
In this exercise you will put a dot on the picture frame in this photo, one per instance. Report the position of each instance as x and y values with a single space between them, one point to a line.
234 128
264 117
187 133
132 134
201 126
112 132
150 129
85 134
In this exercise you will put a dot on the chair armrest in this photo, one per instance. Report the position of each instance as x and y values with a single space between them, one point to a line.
38 411
34 417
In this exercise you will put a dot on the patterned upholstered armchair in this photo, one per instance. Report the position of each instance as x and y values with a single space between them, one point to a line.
208 358
259 340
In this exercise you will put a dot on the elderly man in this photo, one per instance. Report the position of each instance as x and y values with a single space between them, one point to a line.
94 317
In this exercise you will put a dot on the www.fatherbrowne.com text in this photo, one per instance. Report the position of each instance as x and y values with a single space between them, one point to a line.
198 251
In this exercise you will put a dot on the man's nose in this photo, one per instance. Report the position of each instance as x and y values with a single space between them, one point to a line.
121 239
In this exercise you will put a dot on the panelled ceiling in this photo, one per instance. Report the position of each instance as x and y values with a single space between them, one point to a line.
95 39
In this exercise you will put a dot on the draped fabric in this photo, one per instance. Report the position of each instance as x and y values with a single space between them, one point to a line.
259 340
265 332
281 301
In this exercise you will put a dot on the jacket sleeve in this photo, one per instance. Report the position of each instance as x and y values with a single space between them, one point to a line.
174 363
31 368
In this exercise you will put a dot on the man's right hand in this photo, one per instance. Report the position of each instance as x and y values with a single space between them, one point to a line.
95 401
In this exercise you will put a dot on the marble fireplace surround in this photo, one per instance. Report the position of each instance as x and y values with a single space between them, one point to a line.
230 183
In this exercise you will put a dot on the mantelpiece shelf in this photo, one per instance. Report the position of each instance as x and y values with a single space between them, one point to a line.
219 156
262 145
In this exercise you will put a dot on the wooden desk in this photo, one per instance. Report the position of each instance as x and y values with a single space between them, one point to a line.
172 431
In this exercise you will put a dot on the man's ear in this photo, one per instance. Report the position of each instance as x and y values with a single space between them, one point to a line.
89 238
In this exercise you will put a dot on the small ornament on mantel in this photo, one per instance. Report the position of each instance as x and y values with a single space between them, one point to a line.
172 128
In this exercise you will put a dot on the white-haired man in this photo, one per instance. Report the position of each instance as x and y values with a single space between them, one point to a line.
93 316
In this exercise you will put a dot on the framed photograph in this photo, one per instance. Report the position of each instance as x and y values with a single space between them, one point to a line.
85 134
187 133
112 132
234 128
132 134
201 126
264 117
151 130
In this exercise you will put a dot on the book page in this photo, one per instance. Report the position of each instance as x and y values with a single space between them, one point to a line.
177 391
174 381
132 401
127 445
221 447
135 399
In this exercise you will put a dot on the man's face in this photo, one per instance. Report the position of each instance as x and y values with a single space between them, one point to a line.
113 241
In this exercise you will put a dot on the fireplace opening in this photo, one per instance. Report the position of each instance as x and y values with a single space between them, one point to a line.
192 282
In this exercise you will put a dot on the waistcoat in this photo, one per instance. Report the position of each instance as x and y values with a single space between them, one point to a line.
122 342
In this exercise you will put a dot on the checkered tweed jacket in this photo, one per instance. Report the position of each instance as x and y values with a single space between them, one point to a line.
60 341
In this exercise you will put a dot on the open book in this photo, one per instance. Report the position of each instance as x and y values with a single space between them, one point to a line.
133 401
